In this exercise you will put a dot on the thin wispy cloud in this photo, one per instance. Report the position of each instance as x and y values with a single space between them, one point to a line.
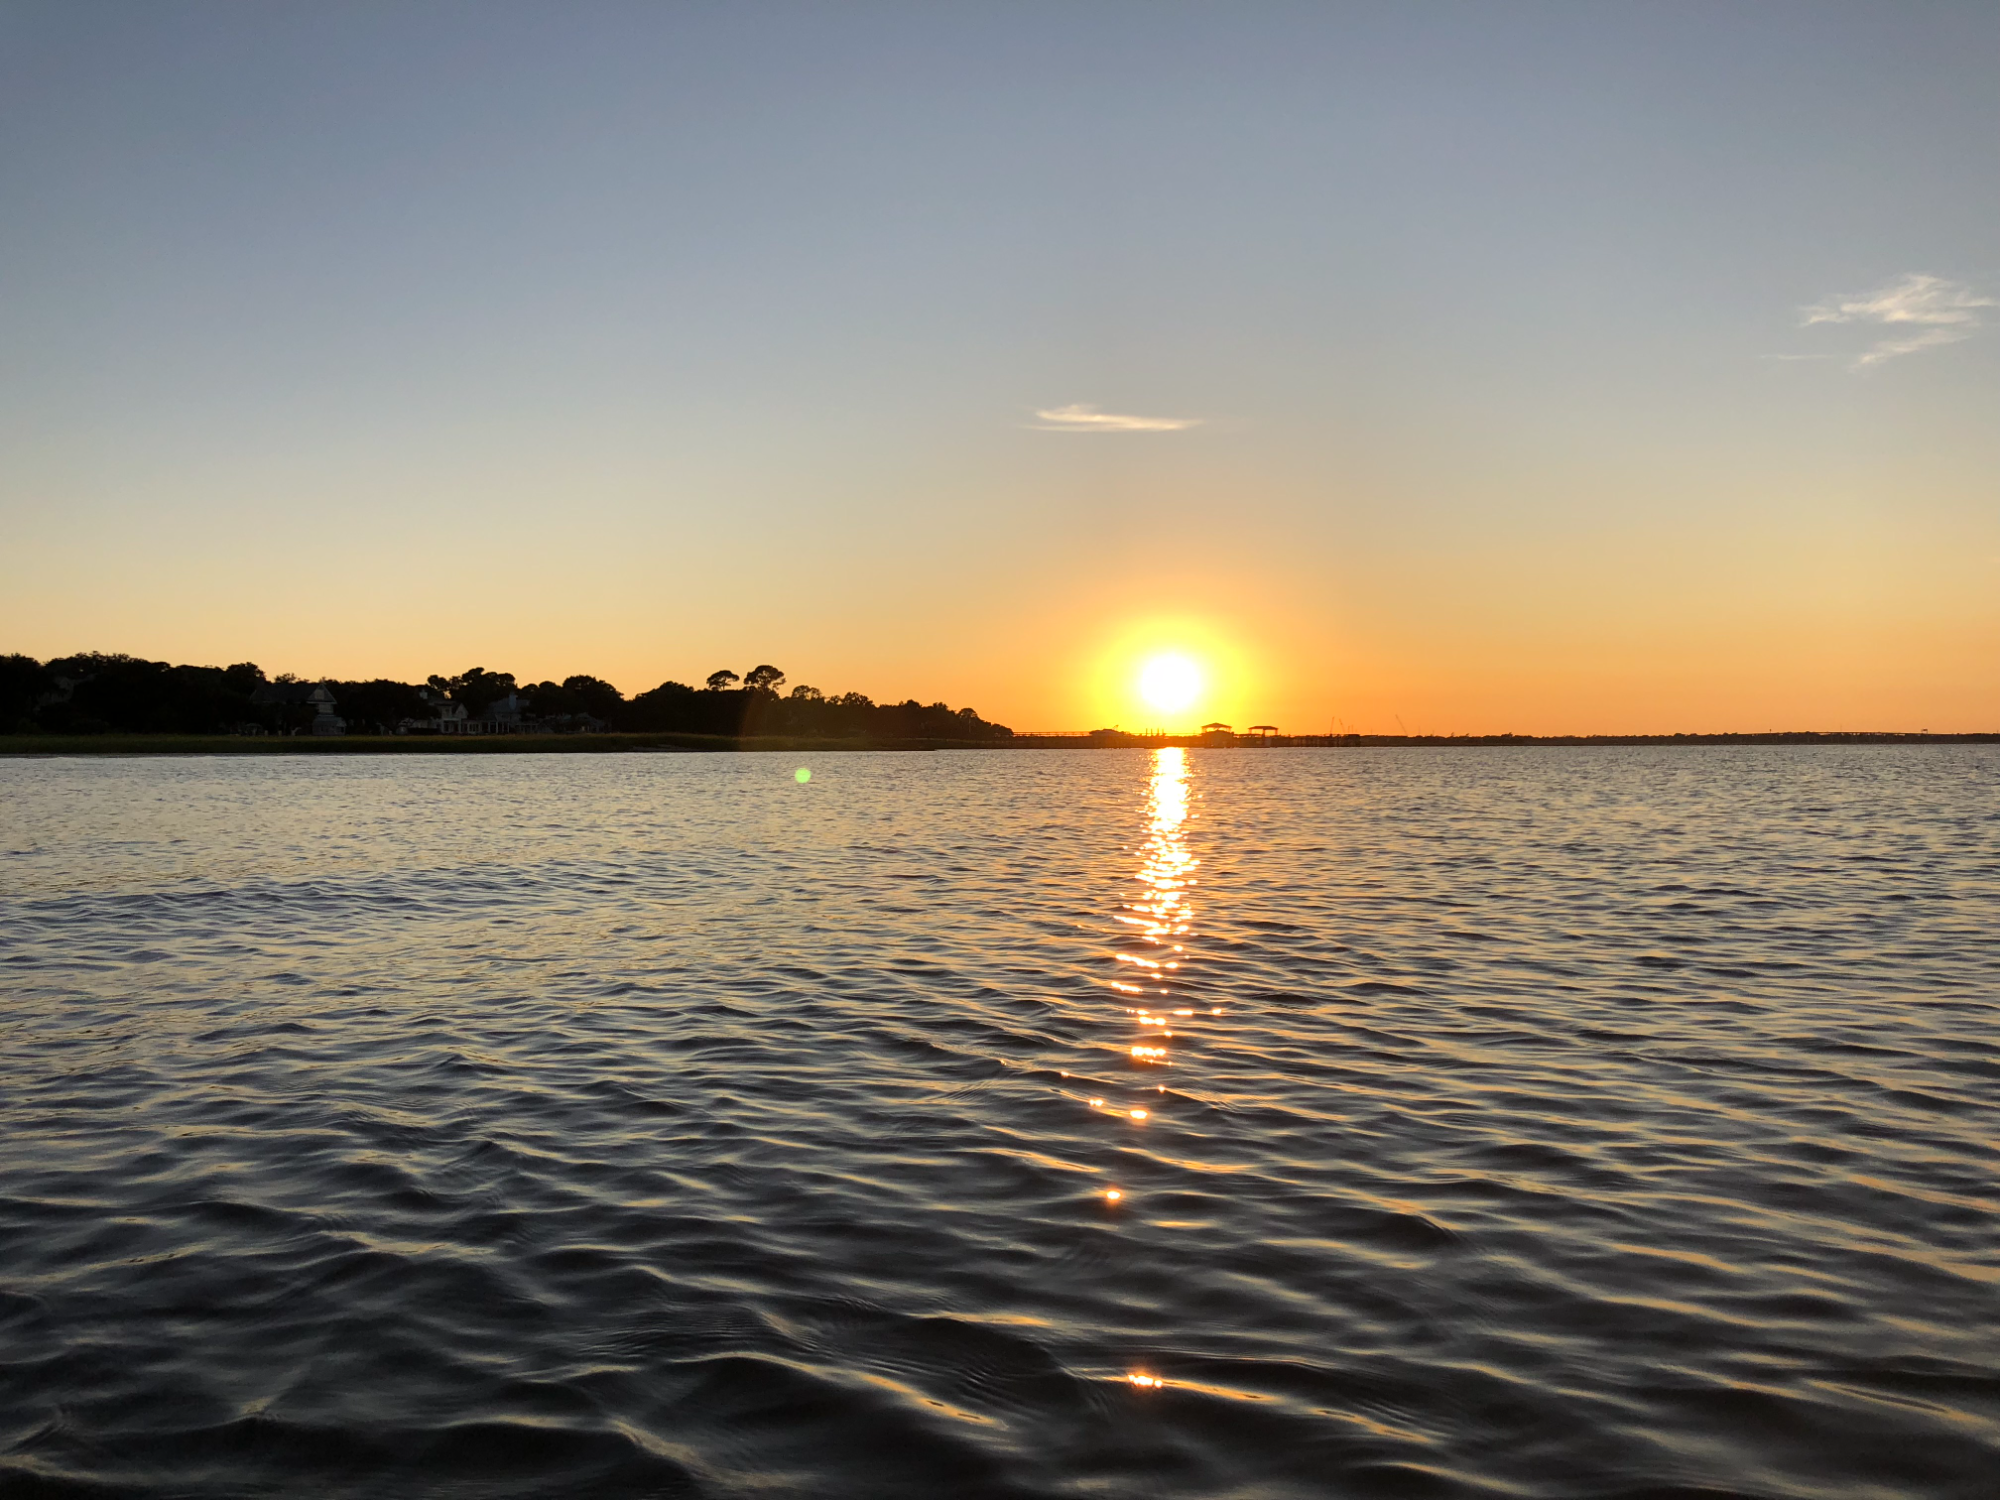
1090 419
1924 311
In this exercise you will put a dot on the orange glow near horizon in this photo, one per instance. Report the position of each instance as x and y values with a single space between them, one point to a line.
1450 652
1165 674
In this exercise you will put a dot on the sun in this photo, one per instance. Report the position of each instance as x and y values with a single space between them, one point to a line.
1169 682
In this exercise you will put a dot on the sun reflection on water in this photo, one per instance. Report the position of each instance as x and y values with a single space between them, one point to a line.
1161 918
1163 914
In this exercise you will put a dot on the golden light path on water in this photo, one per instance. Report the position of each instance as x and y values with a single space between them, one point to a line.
1163 915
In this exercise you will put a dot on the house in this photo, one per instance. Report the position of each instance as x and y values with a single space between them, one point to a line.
325 720
512 714
64 690
302 697
509 715
447 717
280 694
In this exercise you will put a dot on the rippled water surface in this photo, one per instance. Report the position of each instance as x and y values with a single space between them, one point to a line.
1295 1123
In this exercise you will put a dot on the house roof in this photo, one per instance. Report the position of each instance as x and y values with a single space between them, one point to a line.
286 692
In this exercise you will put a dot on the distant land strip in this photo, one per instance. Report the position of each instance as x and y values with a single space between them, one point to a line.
1349 741
599 744
107 703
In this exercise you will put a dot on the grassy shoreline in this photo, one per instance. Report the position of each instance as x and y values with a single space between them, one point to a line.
603 744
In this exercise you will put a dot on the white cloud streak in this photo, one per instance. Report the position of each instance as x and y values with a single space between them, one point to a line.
1928 310
1090 419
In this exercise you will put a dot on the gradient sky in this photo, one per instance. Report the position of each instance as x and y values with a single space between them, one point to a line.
1543 368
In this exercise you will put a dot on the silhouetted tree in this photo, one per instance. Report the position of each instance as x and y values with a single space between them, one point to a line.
115 692
594 696
475 687
98 692
244 677
23 683
670 706
573 696
377 705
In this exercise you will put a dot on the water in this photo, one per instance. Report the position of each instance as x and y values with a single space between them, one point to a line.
1517 1123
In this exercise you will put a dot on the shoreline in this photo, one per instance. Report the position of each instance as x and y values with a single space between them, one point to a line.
30 746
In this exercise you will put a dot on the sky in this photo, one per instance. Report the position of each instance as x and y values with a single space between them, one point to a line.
1457 368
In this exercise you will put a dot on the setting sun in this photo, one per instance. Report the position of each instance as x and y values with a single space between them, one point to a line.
1169 682
1163 673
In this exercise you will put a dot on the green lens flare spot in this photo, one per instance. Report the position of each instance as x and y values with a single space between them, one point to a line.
802 776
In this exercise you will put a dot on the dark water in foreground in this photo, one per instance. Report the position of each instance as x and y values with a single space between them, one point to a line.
1516 1123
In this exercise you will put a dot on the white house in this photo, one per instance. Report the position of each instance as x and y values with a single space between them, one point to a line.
448 717
313 695
325 720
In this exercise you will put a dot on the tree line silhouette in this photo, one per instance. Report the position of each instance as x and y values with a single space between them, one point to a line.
98 693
